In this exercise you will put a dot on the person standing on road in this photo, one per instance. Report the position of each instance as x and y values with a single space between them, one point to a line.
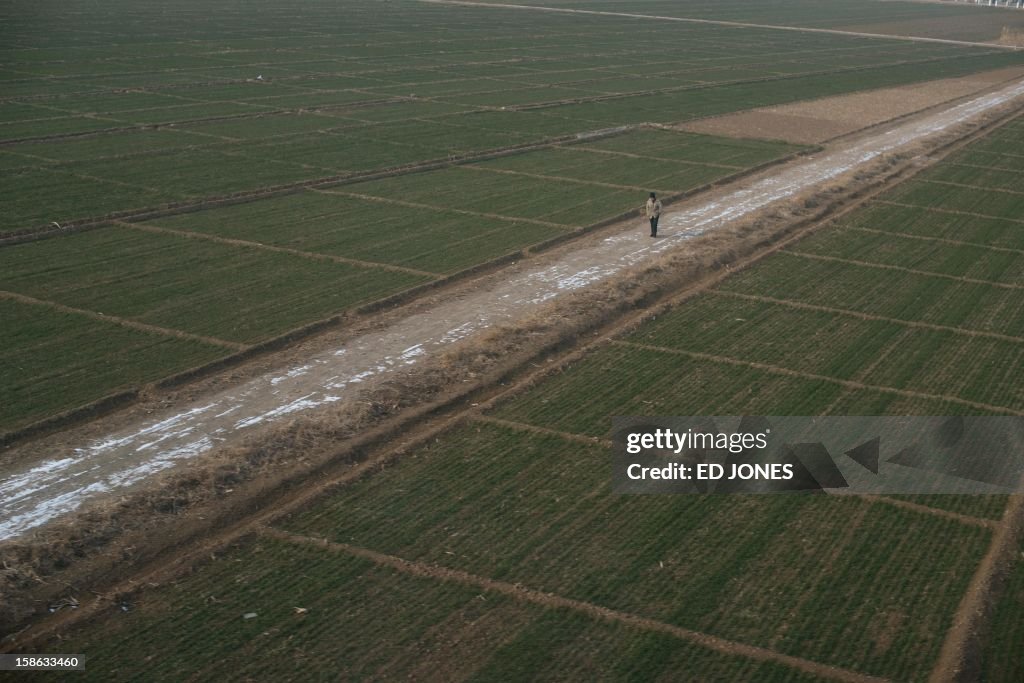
653 211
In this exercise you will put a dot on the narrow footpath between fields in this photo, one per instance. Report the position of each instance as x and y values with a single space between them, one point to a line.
34 493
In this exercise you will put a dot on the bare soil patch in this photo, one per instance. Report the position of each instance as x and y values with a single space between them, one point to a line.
1011 36
817 121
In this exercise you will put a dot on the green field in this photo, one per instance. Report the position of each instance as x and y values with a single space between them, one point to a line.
218 101
347 245
434 239
52 361
233 293
534 510
893 310
391 626
496 551
948 21
397 86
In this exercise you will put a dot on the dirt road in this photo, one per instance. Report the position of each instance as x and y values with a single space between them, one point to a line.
34 493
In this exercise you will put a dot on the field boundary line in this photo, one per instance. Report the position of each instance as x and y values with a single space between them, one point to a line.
902 269
943 240
959 657
185 101
882 499
969 520
156 153
575 181
936 209
866 316
992 151
864 371
118 129
788 372
123 322
966 186
446 99
77 415
106 90
126 126
1015 171
290 81
526 427
551 600
721 22
436 207
791 58
311 255
591 150
704 85
87 176
174 208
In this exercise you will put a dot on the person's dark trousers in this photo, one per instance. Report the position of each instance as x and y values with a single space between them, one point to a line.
654 226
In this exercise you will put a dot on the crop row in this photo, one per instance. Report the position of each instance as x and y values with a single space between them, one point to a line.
637 381
92 147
